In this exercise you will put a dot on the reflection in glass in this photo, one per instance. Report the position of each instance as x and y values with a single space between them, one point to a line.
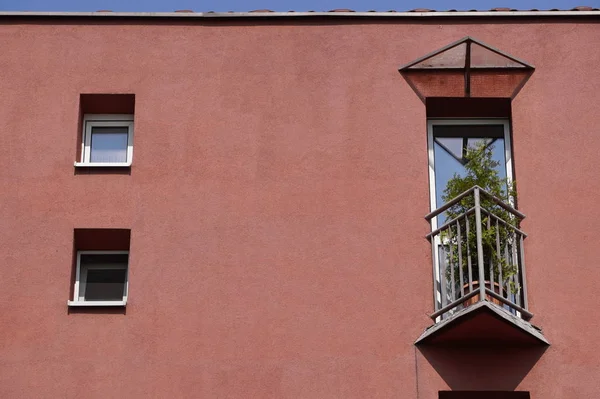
450 145
105 284
109 144
104 277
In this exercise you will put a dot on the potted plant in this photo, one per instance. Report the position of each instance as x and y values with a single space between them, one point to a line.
481 170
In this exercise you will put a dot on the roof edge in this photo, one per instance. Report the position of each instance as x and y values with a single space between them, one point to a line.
373 14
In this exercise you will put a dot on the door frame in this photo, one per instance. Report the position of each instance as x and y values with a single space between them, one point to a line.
432 191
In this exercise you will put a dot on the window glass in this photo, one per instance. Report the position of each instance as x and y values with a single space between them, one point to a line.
105 284
109 144
103 277
104 259
450 144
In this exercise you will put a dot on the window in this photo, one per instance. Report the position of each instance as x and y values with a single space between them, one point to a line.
448 143
101 278
107 140
449 140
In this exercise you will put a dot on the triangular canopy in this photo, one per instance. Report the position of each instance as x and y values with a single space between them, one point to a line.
467 68
466 53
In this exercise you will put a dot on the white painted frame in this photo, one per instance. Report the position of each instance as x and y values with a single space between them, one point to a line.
431 155
105 120
81 280
430 151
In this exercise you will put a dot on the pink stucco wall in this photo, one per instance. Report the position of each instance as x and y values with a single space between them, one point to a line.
276 204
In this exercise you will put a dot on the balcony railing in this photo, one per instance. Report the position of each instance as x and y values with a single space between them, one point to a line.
478 255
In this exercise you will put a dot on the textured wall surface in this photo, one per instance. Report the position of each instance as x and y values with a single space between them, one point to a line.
276 204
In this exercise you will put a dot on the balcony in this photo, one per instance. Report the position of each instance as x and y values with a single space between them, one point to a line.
479 276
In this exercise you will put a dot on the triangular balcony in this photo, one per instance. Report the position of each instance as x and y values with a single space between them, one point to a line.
480 286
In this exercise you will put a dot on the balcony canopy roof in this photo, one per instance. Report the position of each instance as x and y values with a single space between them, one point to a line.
467 68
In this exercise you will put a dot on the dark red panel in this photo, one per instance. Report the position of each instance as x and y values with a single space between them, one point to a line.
102 239
483 395
107 103
468 107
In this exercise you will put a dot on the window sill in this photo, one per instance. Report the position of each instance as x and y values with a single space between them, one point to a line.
97 303
102 164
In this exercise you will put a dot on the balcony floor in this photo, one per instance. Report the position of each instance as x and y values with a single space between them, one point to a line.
483 323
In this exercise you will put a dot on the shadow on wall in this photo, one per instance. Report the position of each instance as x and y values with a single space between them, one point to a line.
482 368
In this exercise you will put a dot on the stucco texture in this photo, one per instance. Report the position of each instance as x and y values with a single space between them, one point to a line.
276 204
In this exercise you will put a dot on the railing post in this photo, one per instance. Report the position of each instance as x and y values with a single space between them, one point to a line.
481 277
522 271
512 246
436 265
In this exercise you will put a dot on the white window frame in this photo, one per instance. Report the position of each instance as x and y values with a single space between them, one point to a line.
430 151
105 120
81 278
431 155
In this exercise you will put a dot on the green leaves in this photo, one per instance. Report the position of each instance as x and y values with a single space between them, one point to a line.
497 231
481 170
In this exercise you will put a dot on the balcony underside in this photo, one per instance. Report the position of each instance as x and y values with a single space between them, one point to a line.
483 323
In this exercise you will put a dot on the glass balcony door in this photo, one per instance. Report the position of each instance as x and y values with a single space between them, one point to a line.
448 143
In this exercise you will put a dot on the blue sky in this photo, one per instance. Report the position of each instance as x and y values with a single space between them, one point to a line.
281 5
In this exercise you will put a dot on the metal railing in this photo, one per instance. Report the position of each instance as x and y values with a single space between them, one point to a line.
478 255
